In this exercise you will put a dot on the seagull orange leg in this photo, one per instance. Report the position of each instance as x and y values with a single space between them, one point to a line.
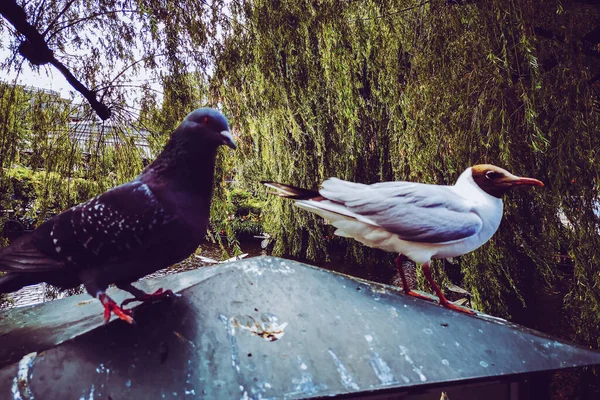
111 307
443 301
405 285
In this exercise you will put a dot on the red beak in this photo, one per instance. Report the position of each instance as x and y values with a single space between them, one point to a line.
527 181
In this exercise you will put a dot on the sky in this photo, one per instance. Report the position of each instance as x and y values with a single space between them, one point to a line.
47 77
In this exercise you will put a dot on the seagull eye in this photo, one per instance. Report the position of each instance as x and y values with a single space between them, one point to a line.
493 175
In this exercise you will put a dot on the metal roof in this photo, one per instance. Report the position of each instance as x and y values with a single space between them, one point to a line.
261 328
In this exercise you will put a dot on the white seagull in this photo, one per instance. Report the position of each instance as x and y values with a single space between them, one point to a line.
419 221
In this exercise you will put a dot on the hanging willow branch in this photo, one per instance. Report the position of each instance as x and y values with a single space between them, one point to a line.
332 88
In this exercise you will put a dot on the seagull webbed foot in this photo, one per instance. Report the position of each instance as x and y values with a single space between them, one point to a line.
419 295
442 299
456 307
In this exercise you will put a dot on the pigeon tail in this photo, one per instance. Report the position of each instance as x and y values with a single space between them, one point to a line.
11 282
23 255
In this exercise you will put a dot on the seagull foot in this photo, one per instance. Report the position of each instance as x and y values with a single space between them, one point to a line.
456 307
111 307
160 294
419 295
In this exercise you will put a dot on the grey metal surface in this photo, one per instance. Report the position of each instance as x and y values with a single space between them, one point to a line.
262 328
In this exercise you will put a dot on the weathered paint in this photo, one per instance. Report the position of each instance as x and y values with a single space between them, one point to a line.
21 383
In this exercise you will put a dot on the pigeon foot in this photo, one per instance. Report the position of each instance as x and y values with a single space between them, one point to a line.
160 294
111 307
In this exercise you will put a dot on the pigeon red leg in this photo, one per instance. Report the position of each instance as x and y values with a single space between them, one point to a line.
443 301
141 296
111 307
405 286
160 294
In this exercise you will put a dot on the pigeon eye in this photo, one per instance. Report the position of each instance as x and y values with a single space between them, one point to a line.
205 120
493 175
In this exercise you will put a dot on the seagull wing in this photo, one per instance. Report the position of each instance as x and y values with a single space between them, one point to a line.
414 211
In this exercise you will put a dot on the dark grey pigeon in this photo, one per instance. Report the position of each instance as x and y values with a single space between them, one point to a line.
132 230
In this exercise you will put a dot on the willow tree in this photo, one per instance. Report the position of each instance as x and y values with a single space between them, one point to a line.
385 90
369 91
145 60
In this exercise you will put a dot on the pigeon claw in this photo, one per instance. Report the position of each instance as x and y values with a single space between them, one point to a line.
111 307
160 294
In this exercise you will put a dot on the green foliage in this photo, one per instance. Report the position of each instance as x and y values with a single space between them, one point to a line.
35 194
244 203
244 214
120 50
50 159
366 91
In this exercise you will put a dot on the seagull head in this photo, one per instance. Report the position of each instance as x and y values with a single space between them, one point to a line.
496 181
210 126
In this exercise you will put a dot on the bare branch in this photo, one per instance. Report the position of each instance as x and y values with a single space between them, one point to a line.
60 14
36 50
395 12
89 17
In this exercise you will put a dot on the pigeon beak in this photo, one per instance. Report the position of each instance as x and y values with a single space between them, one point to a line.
228 139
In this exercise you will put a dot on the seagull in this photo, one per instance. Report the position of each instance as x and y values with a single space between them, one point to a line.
157 219
418 221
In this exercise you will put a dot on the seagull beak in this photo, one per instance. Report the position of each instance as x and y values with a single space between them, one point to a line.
519 181
228 139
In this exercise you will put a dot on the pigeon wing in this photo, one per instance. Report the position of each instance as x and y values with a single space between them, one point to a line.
414 211
117 225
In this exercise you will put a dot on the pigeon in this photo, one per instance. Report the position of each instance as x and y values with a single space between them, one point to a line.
419 221
157 219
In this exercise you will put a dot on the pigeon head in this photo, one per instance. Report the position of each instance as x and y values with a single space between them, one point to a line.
207 125
496 181
191 151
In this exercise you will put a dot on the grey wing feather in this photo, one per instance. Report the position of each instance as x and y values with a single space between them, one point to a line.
414 211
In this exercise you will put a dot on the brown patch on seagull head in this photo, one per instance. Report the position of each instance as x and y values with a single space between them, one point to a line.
496 181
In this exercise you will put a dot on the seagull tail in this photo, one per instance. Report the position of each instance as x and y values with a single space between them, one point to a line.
291 192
